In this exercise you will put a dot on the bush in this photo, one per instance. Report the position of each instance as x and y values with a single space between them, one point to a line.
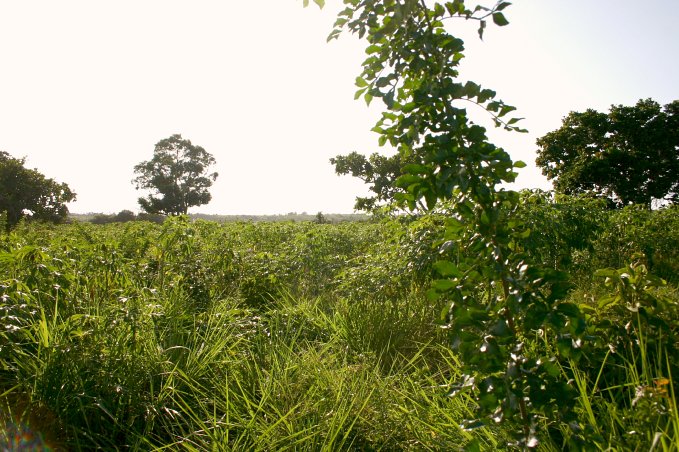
637 230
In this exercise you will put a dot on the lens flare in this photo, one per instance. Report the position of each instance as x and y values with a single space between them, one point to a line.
21 438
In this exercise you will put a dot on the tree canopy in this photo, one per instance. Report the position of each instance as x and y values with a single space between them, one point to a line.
379 171
179 175
26 192
629 155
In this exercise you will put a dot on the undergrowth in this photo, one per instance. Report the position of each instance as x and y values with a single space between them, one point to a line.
199 336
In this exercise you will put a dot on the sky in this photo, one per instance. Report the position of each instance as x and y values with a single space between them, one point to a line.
87 87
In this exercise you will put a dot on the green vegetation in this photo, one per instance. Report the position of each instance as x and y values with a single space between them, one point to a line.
178 174
197 335
378 171
497 296
26 193
127 215
628 155
510 320
488 319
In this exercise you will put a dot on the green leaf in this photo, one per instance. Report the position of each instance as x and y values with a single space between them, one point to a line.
361 83
447 269
565 346
373 49
430 198
606 273
471 89
333 35
433 295
407 180
502 6
415 168
524 234
604 302
587 307
473 446
482 26
443 284
568 309
488 401
500 19
551 368
519 164
500 329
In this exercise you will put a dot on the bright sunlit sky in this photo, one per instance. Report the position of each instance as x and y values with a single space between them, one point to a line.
87 87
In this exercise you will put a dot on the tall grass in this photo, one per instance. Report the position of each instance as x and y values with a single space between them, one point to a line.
198 336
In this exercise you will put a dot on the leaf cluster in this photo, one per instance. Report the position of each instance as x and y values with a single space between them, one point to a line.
28 193
378 171
412 66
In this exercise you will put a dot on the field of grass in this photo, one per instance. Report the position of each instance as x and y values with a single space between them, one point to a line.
194 335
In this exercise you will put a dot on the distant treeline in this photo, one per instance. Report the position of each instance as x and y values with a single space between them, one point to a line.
127 215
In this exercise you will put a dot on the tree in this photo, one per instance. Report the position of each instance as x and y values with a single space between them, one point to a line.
630 155
379 171
178 173
28 193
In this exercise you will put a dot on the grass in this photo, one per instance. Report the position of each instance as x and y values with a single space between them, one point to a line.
143 337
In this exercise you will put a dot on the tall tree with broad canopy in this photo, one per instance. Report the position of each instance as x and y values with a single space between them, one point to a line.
179 175
26 193
629 155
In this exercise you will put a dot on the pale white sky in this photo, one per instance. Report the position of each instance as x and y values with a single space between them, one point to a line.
87 87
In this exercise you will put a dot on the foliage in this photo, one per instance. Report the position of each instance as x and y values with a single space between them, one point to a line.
630 361
634 231
580 234
136 335
636 313
124 216
314 336
628 155
378 171
501 278
497 296
560 229
27 193
144 336
320 218
178 173
403 261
